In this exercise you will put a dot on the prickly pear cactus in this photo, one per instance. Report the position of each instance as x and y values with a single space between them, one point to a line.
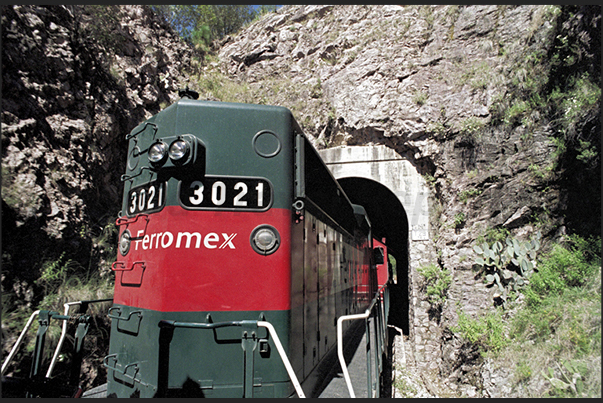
508 266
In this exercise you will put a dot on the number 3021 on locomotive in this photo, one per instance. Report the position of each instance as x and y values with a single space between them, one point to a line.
207 193
226 193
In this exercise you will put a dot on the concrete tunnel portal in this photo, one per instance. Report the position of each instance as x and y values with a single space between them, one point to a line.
395 197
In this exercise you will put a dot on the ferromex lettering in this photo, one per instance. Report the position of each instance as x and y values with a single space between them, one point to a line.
187 240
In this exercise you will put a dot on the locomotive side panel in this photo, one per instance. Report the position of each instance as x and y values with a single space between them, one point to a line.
336 256
296 331
310 270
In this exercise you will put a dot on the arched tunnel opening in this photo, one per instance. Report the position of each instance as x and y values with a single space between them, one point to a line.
389 220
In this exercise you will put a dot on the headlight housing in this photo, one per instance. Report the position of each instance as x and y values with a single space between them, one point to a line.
265 239
182 153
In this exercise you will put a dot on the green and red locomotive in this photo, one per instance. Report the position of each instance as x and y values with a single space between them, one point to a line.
238 252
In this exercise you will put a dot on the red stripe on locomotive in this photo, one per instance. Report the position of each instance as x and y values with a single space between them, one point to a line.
181 260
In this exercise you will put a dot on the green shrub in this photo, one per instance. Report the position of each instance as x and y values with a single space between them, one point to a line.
494 235
488 331
459 220
564 267
570 381
523 371
538 322
430 180
507 265
201 38
559 329
560 295
562 327
103 25
464 195
54 273
437 280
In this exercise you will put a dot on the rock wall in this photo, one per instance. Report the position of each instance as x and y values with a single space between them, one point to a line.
75 81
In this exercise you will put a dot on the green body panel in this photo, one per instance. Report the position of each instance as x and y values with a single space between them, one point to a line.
146 361
227 130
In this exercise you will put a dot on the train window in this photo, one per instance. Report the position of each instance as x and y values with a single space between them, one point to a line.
378 256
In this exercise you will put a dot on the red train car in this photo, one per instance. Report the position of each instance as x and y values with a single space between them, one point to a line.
381 262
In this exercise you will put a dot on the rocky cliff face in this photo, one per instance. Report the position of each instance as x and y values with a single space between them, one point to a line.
440 85
75 81
432 82
428 81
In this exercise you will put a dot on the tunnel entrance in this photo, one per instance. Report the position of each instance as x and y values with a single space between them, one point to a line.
396 197
389 220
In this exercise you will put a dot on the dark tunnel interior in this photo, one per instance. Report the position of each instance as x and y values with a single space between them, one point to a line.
388 219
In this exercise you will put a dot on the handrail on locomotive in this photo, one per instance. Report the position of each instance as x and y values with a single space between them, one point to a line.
380 303
61 339
44 317
378 310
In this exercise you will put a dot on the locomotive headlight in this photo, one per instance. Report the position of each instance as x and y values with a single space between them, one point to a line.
265 239
179 150
124 243
180 155
157 152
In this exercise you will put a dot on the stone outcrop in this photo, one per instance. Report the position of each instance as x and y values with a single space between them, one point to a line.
70 93
416 67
